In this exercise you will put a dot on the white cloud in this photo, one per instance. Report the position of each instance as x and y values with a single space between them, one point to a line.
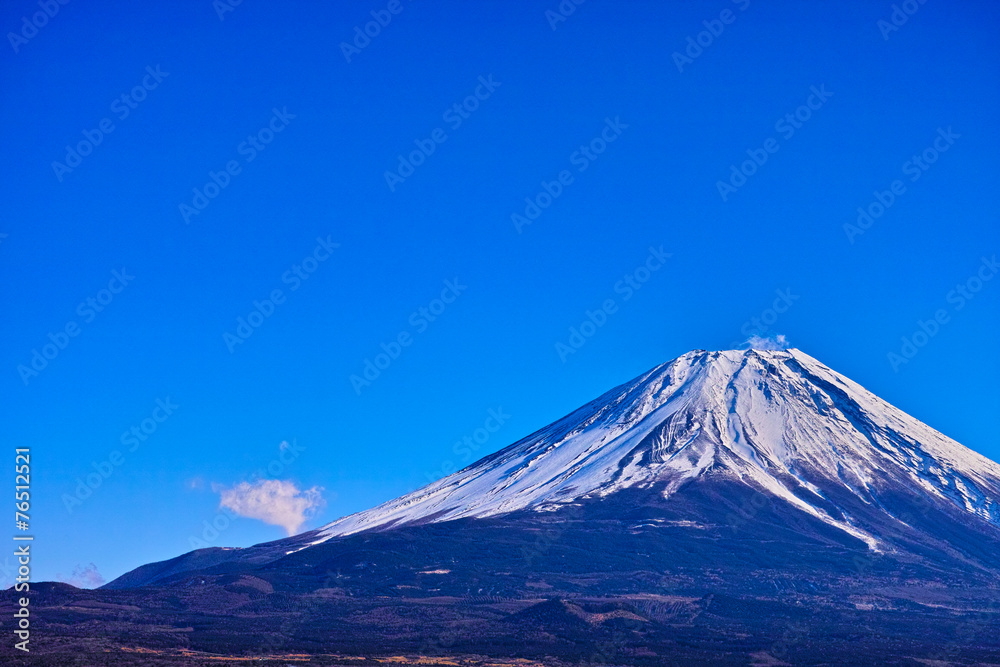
273 501
777 342
84 576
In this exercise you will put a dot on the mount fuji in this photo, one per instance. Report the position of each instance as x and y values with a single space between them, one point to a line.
779 422
728 507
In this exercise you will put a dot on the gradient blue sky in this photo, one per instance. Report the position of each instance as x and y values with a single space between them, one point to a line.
495 346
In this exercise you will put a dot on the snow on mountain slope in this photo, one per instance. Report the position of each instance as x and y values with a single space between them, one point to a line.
776 420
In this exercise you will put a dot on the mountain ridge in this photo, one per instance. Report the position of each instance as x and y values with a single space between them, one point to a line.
689 516
754 414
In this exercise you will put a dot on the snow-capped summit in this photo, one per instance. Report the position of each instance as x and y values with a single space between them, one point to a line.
776 420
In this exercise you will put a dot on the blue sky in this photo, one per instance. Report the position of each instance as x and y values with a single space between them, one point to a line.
246 171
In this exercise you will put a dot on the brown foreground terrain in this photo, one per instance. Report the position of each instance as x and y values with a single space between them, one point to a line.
92 655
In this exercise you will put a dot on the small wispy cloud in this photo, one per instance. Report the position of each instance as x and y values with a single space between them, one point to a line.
275 502
84 576
776 342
